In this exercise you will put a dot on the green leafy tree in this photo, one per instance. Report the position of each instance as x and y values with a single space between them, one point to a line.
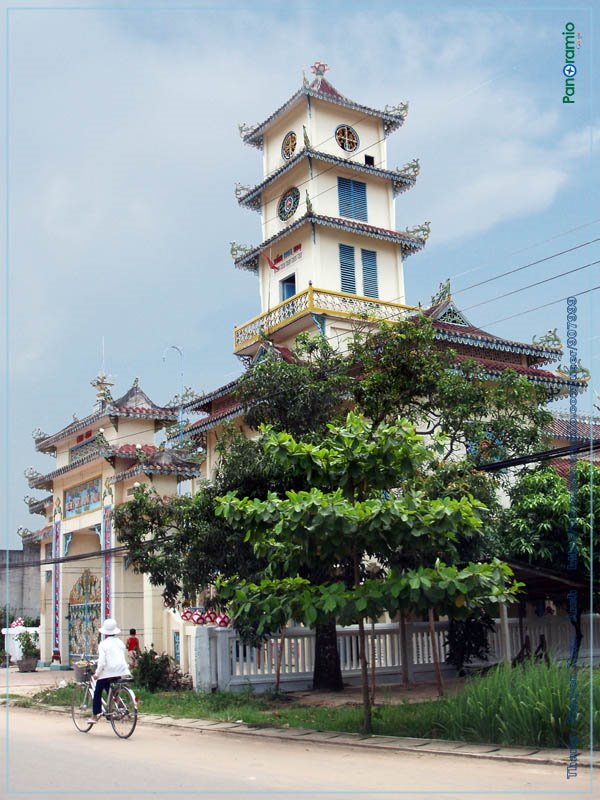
538 519
398 369
551 523
403 370
362 502
179 542
300 395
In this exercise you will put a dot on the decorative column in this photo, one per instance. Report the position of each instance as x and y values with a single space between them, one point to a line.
106 543
56 575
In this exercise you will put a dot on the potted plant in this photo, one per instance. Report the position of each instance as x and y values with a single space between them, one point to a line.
30 652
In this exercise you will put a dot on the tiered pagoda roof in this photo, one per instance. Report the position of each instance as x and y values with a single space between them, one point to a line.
496 354
401 179
320 89
128 459
134 404
146 459
410 242
452 329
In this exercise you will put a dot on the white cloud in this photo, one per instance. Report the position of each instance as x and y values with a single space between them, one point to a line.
125 150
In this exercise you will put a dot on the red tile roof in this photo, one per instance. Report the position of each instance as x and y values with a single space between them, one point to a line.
584 428
205 424
563 465
133 450
542 375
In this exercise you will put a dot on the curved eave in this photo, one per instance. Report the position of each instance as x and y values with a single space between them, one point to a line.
158 415
182 473
400 181
505 345
550 380
202 426
409 243
391 120
46 481
200 403
40 506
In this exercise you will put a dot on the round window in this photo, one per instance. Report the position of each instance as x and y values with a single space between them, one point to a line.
288 203
288 145
347 138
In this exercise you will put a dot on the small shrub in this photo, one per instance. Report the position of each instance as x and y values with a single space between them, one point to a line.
29 644
468 639
156 672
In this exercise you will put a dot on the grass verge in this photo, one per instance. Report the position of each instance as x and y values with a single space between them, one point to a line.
531 705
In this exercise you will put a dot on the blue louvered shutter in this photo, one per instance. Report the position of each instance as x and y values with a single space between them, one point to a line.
369 271
347 269
352 199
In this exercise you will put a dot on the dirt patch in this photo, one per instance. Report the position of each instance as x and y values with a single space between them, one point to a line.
352 695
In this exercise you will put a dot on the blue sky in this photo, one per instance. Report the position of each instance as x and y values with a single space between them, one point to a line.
123 151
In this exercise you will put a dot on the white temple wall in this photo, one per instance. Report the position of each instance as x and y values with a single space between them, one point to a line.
325 119
324 190
302 264
389 264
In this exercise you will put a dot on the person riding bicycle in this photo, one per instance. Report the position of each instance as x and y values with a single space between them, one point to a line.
111 665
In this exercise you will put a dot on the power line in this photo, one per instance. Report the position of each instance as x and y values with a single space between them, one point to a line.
532 285
529 247
545 305
526 266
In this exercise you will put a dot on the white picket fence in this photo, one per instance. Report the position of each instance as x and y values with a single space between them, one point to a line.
223 662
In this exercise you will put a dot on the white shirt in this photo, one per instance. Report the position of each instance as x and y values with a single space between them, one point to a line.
111 659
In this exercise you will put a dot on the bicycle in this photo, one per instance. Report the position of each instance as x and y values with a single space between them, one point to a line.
120 708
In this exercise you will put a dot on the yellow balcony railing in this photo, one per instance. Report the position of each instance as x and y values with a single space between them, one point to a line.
316 301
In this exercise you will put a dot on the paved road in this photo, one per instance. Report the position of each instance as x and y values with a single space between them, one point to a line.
48 758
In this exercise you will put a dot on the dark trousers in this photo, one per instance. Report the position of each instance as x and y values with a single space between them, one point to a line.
101 685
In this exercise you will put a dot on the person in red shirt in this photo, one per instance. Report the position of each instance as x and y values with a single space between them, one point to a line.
133 647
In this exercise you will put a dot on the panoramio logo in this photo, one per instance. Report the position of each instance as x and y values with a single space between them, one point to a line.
569 69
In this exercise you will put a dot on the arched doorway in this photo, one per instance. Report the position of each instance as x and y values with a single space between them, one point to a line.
84 616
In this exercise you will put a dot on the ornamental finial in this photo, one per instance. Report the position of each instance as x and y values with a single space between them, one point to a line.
443 293
319 68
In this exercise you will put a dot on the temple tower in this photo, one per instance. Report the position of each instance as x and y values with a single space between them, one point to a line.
330 253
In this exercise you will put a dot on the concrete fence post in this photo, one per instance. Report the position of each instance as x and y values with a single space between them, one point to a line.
410 650
224 638
506 653
202 678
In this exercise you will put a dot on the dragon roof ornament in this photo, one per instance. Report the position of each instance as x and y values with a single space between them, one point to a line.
239 250
410 170
400 110
443 293
422 231
551 338
245 129
241 190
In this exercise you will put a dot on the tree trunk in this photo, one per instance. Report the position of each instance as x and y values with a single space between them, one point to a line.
373 667
367 726
434 651
327 675
364 673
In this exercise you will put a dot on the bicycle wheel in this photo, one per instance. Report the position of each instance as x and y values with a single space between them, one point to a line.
122 711
81 707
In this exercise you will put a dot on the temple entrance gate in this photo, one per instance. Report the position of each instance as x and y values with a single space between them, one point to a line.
85 603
